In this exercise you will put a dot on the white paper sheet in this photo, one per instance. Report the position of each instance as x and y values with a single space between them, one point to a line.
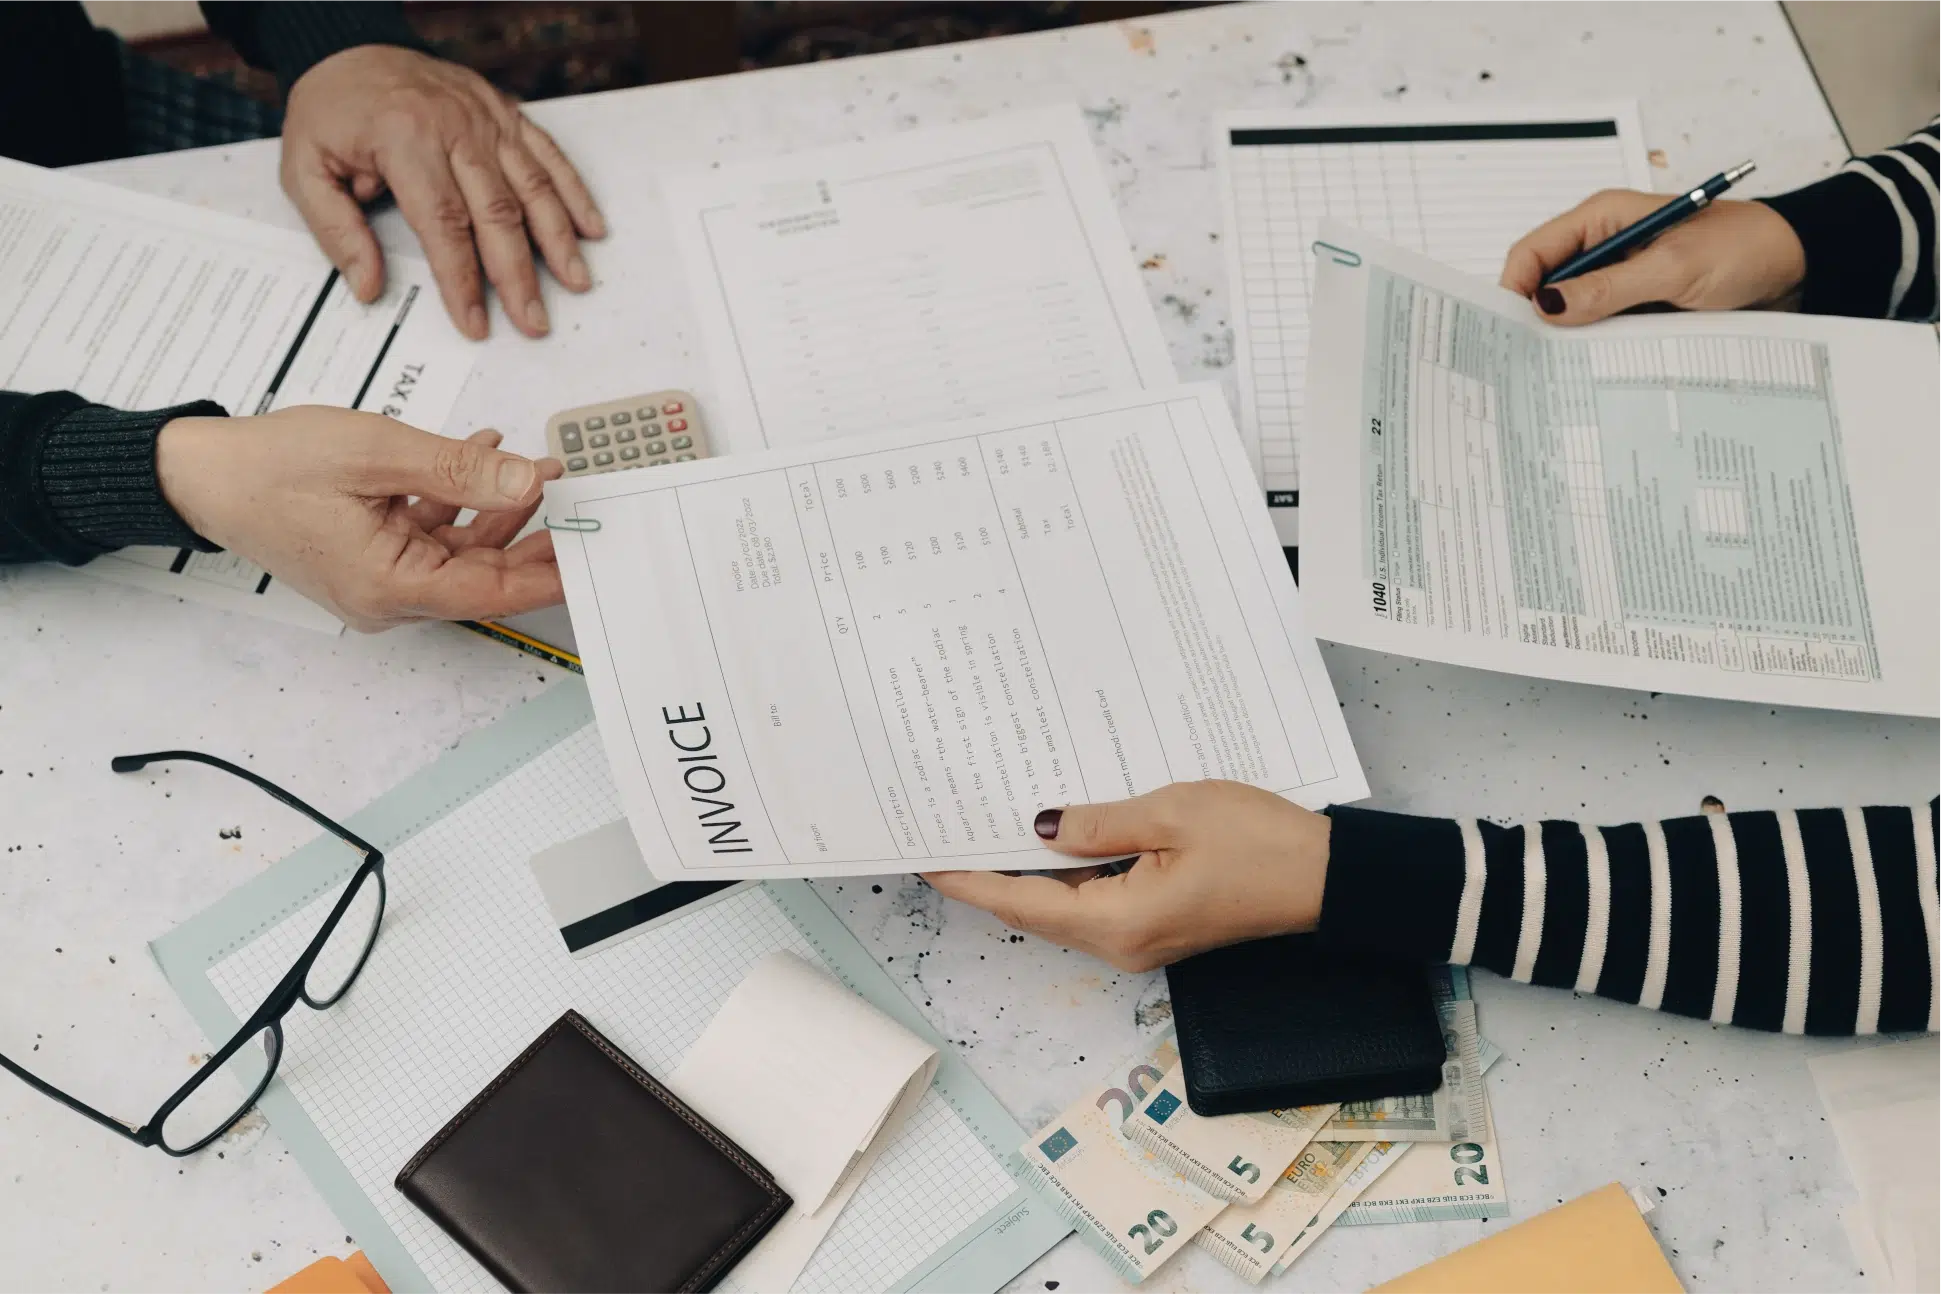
141 303
1736 505
1885 1106
812 1081
1459 183
888 654
934 274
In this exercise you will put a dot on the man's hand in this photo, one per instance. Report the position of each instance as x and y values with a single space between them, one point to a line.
1730 256
318 497
1219 862
474 178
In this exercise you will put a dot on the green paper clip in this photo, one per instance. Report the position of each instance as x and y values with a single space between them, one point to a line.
578 525
1339 255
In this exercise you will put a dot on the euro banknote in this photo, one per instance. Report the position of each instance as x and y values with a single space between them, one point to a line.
1250 1238
1450 1113
1235 1156
1118 1196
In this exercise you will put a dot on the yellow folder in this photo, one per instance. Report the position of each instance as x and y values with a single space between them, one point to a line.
352 1275
1596 1244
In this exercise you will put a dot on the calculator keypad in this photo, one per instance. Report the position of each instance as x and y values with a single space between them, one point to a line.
641 431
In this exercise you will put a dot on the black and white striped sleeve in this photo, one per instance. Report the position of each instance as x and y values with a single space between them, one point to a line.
1869 233
1808 921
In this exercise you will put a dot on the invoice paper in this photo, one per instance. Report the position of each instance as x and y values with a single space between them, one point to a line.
1737 505
141 303
888 653
1458 184
933 274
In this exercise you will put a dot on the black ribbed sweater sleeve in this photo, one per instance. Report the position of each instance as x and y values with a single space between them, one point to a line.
78 479
1806 921
289 37
1869 233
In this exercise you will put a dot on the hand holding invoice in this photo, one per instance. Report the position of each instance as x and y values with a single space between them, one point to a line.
474 177
323 499
1730 256
1219 862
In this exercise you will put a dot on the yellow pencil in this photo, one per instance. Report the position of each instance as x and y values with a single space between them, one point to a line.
525 643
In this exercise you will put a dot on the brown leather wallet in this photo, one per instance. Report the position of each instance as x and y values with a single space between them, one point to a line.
575 1170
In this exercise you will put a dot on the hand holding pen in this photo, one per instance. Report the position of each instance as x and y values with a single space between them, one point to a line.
1620 248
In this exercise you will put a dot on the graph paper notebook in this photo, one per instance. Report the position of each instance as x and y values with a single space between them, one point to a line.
1459 184
469 968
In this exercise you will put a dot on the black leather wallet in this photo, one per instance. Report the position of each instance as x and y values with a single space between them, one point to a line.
1290 1021
575 1170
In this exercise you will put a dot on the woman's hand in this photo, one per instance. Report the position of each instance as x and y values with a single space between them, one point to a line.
1219 862
1730 256
321 498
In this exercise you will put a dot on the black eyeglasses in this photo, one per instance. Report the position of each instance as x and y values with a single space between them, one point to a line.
207 1106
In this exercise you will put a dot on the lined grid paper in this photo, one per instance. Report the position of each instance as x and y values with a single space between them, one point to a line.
1461 192
468 970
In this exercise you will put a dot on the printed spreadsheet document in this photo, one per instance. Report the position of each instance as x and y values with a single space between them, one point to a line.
939 273
1459 184
888 653
141 303
1737 505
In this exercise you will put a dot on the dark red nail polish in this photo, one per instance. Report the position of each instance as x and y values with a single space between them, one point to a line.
1550 301
1046 823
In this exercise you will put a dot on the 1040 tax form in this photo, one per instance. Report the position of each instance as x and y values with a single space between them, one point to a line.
887 653
1736 505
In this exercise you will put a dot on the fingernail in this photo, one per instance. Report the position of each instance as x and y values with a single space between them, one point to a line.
1046 823
516 478
576 274
475 322
599 226
1550 301
536 316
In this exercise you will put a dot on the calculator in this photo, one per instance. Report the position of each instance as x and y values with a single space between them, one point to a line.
649 430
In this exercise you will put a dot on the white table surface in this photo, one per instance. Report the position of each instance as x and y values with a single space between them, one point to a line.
1724 1124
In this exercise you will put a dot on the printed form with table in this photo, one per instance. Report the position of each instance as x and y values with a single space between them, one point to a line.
964 550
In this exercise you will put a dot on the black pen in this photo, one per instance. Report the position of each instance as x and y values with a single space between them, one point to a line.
1680 208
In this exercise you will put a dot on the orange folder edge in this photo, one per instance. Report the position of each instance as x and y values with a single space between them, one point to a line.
1596 1244
352 1275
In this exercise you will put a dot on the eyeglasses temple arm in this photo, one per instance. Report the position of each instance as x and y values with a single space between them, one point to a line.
79 1107
135 763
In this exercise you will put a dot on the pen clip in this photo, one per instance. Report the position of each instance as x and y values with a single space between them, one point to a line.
1339 255
578 525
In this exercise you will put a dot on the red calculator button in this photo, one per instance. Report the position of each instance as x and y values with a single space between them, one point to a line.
673 406
676 424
